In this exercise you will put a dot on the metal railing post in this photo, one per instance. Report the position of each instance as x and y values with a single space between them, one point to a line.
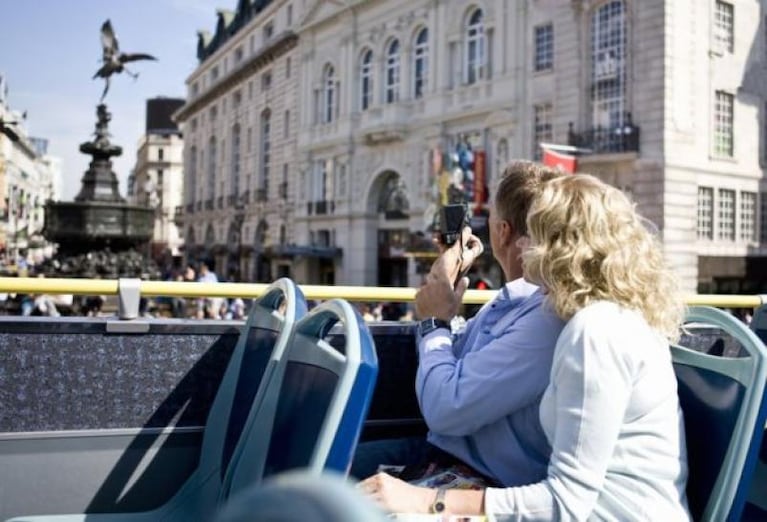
128 297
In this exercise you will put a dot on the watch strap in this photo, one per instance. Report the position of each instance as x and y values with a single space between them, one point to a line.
438 506
430 324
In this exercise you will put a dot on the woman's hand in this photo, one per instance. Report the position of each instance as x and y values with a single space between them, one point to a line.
395 495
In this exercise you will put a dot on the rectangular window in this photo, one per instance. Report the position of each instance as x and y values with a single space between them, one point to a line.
268 31
542 128
287 67
724 33
544 47
727 214
748 216
705 213
289 14
763 217
160 154
723 124
266 81
286 125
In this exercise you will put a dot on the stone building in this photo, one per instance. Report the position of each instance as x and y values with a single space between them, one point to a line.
157 180
400 102
239 124
28 178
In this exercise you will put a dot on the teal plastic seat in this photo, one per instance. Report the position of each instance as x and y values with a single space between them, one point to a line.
259 349
724 406
315 404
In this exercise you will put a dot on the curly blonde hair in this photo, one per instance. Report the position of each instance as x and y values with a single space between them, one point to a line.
589 244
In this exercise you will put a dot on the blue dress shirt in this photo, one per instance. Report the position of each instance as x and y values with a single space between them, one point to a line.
479 392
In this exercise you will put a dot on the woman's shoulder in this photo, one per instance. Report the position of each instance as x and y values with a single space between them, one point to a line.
608 320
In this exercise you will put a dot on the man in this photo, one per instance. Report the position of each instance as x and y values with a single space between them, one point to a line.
479 391
209 307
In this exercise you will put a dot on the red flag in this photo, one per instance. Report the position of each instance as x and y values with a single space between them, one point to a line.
555 159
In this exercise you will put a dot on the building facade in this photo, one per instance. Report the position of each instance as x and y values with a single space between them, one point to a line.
240 125
157 180
28 178
404 105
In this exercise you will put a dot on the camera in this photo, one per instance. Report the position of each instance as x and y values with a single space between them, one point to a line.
452 220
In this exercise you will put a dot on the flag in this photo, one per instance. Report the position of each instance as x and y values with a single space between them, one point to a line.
566 162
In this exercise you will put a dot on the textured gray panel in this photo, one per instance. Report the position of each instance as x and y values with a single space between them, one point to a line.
81 381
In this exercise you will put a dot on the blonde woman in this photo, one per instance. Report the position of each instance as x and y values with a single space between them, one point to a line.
610 412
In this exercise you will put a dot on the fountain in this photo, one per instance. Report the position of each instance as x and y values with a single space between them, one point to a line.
99 217
99 227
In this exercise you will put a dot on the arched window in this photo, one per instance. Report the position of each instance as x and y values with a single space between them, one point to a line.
608 65
421 63
328 94
265 150
234 182
212 168
366 79
392 73
475 47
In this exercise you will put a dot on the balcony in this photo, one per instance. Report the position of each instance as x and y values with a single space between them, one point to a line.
321 207
386 123
599 140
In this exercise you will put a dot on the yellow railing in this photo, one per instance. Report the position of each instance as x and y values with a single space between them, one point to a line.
36 285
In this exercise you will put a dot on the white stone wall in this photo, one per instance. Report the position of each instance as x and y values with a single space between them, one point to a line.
165 194
280 98
672 72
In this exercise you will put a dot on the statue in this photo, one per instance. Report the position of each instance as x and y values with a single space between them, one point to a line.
113 60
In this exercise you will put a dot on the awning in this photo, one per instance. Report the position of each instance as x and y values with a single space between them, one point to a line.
304 250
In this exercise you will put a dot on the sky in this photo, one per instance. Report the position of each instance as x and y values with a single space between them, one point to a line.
50 50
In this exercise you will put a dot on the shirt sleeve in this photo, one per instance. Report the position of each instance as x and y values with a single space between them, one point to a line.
459 396
591 382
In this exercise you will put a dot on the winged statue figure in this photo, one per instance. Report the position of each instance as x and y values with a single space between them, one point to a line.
113 60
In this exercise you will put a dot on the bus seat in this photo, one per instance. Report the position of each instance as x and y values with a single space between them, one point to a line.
315 405
259 349
724 406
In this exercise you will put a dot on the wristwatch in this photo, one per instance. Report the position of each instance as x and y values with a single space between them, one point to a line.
438 506
430 324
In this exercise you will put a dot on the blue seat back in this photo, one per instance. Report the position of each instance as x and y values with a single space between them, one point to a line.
315 405
723 401
259 348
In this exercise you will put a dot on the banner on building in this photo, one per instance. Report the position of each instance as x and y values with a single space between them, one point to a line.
480 180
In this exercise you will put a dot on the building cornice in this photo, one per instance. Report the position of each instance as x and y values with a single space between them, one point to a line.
283 43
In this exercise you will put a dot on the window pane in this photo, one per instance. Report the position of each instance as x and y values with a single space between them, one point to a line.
544 47
723 120
705 213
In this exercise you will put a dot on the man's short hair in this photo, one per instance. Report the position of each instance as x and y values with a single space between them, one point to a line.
520 182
